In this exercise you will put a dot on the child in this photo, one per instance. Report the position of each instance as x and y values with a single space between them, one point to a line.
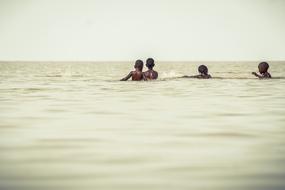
263 68
136 75
203 70
150 74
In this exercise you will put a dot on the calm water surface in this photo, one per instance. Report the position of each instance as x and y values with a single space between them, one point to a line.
74 126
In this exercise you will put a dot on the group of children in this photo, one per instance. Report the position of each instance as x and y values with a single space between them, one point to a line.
151 74
138 73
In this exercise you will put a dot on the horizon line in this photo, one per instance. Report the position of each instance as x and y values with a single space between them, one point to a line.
119 61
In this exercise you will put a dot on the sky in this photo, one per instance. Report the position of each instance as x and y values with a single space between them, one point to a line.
119 30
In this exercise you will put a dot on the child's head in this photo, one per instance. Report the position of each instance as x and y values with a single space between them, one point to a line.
139 65
263 67
150 63
203 69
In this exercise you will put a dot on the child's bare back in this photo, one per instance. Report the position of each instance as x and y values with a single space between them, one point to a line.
136 75
150 74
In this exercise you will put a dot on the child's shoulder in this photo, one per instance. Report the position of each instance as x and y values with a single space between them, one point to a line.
268 75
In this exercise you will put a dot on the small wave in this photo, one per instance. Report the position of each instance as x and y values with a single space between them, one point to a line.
171 74
245 78
174 76
58 76
230 78
52 76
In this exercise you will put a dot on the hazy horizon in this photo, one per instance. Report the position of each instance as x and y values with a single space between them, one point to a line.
120 61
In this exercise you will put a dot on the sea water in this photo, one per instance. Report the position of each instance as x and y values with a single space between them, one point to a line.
75 126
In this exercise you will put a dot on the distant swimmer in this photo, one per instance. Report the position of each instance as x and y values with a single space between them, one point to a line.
137 74
263 70
203 70
150 74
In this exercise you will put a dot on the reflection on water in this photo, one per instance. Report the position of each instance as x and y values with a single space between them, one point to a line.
74 126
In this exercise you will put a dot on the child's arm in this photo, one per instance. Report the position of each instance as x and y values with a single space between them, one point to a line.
257 75
195 76
127 77
186 76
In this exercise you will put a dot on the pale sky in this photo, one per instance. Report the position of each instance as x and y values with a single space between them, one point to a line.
115 30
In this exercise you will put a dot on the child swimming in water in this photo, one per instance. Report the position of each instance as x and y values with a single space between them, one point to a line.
263 70
203 70
136 75
150 74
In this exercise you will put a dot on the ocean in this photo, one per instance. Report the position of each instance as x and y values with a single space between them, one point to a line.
75 126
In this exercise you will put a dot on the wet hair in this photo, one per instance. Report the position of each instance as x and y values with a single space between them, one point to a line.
139 64
263 67
150 63
203 69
